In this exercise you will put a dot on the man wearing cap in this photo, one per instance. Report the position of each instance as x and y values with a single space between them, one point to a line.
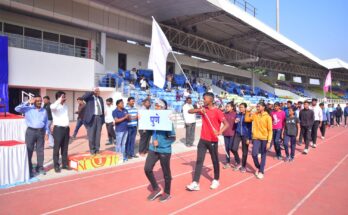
190 122
318 118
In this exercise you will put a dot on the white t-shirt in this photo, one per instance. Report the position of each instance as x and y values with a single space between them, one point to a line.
318 112
188 117
108 113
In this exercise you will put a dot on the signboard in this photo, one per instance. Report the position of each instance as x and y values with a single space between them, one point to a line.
155 120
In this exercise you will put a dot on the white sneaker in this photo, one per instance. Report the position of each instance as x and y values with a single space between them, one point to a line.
305 151
256 173
260 176
259 156
314 145
194 186
214 184
322 137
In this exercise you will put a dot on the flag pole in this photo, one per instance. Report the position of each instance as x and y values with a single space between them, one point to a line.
176 60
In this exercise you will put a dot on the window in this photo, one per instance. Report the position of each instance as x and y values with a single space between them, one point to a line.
66 39
297 79
50 36
281 77
13 29
122 61
81 42
313 81
29 32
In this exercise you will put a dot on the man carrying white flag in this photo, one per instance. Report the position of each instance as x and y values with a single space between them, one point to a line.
159 51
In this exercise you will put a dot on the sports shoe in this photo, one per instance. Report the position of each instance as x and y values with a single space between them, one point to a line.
256 173
156 193
214 184
260 176
164 197
242 170
259 155
287 159
226 166
279 158
323 138
305 151
237 167
314 146
194 186
291 159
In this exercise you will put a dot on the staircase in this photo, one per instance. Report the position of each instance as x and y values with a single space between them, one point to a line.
180 123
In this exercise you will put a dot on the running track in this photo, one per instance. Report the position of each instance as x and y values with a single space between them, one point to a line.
312 184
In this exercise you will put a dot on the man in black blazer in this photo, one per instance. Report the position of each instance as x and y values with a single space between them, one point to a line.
94 119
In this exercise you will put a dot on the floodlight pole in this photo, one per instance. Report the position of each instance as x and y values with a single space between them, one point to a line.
277 15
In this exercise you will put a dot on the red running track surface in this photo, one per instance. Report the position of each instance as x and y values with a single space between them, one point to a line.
312 184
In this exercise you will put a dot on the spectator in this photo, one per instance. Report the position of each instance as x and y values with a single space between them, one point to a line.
132 127
143 83
133 74
121 116
47 104
80 114
37 131
109 121
177 96
131 85
190 122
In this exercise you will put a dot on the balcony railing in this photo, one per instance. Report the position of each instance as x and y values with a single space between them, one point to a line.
21 41
246 6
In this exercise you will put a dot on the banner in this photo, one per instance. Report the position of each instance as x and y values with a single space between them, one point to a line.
158 120
4 72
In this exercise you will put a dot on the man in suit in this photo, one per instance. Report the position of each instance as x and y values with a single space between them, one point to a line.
94 119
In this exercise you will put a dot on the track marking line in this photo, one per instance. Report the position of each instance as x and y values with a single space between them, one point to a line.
114 194
298 205
86 177
236 184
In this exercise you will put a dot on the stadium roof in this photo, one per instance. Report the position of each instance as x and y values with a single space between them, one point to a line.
335 63
227 25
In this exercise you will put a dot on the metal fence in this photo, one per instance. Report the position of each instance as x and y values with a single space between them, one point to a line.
21 41
246 6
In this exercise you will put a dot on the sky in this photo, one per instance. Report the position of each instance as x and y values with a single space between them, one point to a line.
319 26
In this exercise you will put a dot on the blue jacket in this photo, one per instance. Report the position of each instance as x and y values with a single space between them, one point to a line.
326 114
165 141
243 128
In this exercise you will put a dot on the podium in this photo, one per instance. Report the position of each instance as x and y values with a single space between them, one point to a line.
86 161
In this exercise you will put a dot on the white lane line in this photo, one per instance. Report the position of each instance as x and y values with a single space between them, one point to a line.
113 194
86 177
317 186
234 185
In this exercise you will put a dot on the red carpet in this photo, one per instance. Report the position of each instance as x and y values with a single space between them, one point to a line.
10 116
10 143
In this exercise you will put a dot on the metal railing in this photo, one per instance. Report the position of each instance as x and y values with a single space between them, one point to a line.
246 6
25 42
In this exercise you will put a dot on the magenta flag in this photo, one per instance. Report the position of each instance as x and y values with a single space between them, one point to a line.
328 82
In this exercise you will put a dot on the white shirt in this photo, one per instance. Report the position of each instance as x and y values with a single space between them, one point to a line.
188 117
108 113
318 113
97 102
143 83
60 113
186 93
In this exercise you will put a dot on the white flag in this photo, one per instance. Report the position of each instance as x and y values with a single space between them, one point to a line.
159 51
